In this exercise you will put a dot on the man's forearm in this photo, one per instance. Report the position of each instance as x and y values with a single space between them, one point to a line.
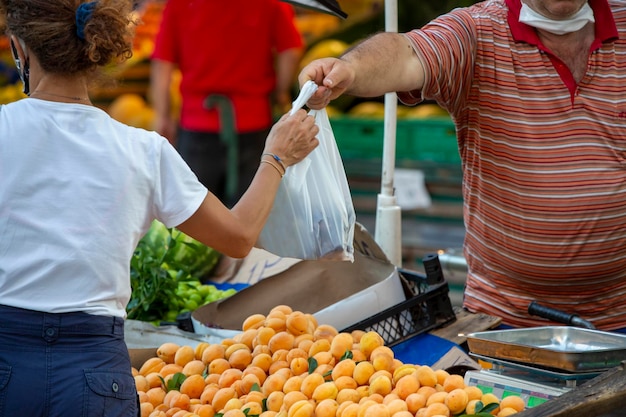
384 63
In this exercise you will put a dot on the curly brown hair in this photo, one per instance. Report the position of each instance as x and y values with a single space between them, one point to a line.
48 28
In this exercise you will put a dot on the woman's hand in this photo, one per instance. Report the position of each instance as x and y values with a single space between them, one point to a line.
293 137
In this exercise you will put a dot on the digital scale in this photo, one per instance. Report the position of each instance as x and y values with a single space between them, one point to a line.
534 385
539 364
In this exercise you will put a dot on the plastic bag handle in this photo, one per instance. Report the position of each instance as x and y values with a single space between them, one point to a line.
308 89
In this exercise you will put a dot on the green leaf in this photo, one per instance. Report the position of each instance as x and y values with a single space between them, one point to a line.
176 381
347 355
312 364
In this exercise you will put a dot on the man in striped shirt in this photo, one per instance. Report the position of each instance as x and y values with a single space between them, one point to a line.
537 89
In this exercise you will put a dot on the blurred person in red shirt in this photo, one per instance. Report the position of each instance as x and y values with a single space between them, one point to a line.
246 51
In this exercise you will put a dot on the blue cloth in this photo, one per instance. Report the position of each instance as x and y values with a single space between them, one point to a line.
423 349
69 364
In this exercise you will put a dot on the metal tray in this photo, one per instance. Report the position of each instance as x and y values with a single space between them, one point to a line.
565 348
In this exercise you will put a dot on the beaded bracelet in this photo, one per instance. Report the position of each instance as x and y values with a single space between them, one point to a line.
282 174
277 159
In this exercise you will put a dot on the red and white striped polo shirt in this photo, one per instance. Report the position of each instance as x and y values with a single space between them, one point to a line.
544 160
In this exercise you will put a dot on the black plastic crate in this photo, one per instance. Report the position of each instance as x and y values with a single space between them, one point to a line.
427 307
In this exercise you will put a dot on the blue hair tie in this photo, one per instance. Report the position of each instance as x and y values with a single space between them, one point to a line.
83 14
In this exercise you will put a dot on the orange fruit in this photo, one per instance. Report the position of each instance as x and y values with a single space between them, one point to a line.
167 351
183 355
151 365
212 352
193 386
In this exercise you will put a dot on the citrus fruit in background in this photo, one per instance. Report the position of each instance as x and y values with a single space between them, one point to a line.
368 109
323 49
125 107
424 111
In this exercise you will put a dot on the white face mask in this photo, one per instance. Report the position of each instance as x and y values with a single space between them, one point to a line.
558 27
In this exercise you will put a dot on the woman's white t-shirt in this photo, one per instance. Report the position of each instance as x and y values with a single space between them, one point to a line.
77 192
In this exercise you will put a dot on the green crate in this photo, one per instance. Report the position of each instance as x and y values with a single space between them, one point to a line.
428 140
424 140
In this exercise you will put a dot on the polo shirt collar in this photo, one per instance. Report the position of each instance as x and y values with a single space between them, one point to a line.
605 24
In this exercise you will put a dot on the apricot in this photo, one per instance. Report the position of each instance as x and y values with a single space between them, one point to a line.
345 382
183 355
362 372
489 398
256 371
252 408
407 385
293 397
370 341
343 368
273 382
167 351
208 393
142 383
151 365
205 410
325 331
326 408
263 336
218 366
452 382
380 385
212 352
513 401
302 408
426 376
281 340
382 362
321 345
299 366
274 401
293 383
155 395
437 409
221 397
279 324
351 410
395 406
146 409
253 321
279 366
262 361
249 381
457 400
348 395
193 386
234 412
325 390
437 397
310 383
415 402
304 343
473 392
193 367
229 376
240 359
297 323
340 344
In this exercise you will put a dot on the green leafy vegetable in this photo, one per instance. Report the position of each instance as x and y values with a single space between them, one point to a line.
165 273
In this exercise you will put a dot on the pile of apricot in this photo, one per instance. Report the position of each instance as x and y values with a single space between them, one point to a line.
285 364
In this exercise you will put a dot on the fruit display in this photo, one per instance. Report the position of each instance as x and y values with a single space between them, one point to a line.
285 364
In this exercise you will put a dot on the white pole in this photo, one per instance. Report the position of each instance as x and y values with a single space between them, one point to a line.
388 233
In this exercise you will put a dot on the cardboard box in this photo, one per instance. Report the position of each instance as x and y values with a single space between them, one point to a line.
337 293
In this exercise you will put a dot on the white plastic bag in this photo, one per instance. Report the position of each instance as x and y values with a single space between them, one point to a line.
313 216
